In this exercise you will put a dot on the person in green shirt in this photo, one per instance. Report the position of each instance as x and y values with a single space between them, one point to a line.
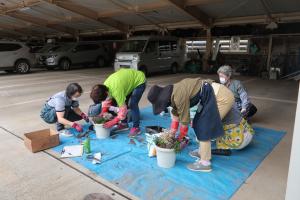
124 87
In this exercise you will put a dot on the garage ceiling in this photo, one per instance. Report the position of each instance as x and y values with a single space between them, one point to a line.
42 18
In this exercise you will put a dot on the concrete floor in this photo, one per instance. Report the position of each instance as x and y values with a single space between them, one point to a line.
24 175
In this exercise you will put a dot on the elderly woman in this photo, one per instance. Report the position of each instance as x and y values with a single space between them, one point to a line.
238 132
214 101
241 97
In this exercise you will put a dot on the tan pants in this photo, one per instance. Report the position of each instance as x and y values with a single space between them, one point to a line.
225 101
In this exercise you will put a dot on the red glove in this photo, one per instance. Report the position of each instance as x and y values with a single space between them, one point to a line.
174 126
111 123
122 112
85 117
103 111
78 127
183 131
105 107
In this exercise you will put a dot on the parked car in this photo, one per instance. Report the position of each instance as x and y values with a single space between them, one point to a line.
40 55
111 47
151 54
68 54
35 46
16 57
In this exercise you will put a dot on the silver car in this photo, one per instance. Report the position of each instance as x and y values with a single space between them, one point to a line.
40 55
151 54
67 55
16 57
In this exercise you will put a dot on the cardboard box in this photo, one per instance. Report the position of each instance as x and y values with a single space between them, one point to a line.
41 140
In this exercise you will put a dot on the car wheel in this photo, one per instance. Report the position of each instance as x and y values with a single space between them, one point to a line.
22 66
65 64
144 70
100 62
174 68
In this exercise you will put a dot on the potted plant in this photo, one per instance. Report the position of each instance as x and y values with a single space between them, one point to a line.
101 132
166 146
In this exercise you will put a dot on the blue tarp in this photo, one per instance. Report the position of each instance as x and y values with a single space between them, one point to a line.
128 165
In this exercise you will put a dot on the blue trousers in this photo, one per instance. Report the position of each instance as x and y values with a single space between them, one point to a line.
48 114
133 104
132 101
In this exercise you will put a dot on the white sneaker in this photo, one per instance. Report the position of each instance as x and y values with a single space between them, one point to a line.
65 133
199 167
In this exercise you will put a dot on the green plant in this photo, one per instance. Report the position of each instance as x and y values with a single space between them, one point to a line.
167 140
99 120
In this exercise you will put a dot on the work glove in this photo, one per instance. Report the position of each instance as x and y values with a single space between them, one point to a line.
174 126
78 127
85 117
122 112
111 123
183 132
105 107
114 109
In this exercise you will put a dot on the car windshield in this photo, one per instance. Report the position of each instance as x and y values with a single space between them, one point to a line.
48 48
65 47
133 46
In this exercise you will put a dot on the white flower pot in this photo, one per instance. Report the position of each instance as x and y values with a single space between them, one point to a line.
101 132
165 157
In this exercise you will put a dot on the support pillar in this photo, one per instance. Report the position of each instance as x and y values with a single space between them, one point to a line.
207 55
269 53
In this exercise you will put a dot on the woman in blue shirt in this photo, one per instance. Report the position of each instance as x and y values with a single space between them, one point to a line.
63 109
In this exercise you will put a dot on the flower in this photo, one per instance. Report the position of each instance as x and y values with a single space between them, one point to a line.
167 140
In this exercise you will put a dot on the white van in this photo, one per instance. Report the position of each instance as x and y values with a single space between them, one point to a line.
151 54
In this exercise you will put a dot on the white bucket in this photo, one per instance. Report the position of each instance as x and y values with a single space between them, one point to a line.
101 132
165 157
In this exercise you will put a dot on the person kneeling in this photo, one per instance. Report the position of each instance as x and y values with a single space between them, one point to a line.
238 134
242 100
63 109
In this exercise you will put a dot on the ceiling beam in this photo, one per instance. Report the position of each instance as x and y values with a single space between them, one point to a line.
193 11
150 7
201 2
19 5
91 14
258 19
20 31
9 35
266 8
42 22
126 7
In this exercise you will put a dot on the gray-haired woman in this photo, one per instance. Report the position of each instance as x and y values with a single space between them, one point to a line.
241 97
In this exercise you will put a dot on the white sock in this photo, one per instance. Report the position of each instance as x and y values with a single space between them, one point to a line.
205 162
